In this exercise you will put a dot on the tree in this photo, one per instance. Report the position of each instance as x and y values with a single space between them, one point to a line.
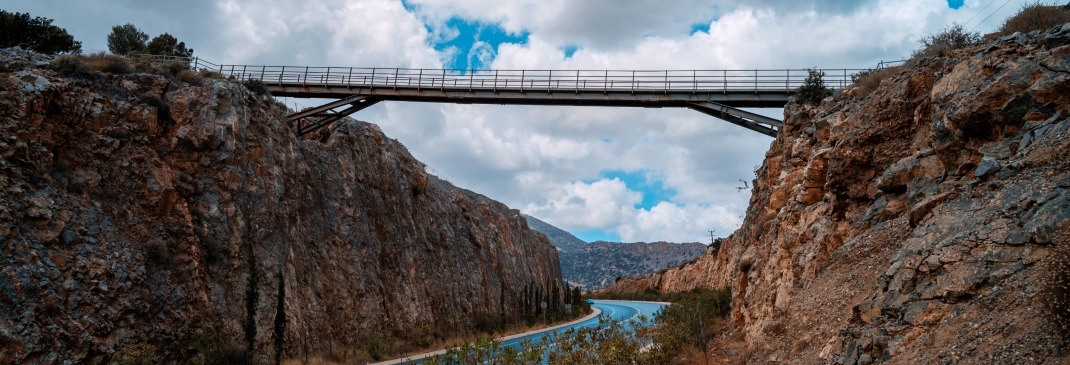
813 89
126 39
38 34
167 45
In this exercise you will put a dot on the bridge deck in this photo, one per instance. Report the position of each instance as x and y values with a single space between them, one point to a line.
714 92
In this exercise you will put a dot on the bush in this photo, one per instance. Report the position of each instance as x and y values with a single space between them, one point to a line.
212 75
813 89
108 63
190 77
944 43
69 65
256 86
1035 16
868 81
96 62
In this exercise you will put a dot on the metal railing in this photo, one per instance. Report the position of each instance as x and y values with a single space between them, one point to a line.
531 80
538 80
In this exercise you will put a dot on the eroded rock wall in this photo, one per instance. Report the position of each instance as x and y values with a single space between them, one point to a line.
911 225
135 208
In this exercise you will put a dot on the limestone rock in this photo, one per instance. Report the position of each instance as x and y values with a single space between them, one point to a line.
909 258
125 222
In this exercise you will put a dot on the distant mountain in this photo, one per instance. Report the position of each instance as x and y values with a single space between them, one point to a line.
597 265
563 240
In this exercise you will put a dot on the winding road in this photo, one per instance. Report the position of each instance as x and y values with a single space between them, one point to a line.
616 309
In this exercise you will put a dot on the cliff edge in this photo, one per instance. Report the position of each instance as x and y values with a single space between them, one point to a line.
140 211
925 222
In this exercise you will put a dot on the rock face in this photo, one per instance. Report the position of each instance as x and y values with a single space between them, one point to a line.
917 224
138 209
595 265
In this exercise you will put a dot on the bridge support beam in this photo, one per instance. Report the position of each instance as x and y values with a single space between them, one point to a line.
755 122
326 114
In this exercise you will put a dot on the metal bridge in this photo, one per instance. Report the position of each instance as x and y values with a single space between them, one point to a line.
718 93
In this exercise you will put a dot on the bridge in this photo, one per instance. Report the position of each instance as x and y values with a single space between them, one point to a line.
718 93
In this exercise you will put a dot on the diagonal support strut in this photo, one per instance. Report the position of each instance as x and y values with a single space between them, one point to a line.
325 114
755 122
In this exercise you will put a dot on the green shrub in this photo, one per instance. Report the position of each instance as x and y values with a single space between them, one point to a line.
1035 16
212 75
813 89
256 86
944 43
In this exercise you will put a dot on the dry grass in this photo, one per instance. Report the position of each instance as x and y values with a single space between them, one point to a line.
869 81
190 77
1035 16
106 63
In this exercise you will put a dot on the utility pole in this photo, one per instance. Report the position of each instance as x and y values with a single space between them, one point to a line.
711 236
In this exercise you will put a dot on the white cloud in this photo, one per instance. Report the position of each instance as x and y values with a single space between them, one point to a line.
595 205
680 223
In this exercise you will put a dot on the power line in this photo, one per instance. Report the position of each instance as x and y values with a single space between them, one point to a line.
978 13
990 15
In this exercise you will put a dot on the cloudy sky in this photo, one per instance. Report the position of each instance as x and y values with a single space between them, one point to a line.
616 174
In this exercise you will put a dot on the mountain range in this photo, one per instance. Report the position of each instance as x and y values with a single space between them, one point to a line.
599 264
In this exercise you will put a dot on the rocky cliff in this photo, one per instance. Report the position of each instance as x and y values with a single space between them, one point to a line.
141 211
926 222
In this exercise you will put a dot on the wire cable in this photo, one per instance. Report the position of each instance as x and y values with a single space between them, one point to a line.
978 13
990 15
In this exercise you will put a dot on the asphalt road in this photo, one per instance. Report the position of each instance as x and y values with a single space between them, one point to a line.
617 309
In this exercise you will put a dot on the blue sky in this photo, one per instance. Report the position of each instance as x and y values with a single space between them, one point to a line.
601 173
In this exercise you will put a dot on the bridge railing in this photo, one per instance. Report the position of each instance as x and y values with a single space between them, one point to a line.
531 80
538 80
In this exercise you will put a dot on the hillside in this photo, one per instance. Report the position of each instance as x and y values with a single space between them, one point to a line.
926 222
564 241
601 263
598 264
142 213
